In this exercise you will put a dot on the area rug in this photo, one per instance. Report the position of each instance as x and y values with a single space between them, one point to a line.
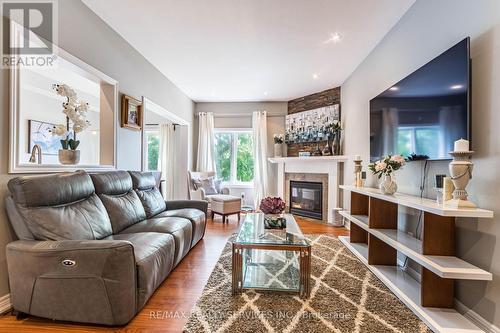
345 297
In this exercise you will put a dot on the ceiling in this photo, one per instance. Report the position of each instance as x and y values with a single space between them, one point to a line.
252 50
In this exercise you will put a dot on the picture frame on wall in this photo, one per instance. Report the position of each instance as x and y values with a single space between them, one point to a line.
40 133
131 115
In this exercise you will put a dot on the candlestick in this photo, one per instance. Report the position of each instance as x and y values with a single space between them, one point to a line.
461 145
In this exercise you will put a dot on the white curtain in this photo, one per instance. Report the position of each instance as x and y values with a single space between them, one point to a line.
259 127
166 158
205 161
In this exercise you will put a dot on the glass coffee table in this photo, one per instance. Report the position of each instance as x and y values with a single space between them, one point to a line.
270 259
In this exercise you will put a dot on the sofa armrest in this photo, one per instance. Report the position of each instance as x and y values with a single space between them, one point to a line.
179 204
91 281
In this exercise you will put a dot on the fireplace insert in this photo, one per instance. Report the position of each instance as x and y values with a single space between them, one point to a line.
306 199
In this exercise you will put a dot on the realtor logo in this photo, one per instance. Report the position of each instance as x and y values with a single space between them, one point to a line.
28 33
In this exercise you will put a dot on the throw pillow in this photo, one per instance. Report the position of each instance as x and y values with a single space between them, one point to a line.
207 184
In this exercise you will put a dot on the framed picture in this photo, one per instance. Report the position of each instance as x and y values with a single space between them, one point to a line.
131 113
40 133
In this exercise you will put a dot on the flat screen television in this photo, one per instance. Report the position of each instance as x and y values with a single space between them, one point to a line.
425 112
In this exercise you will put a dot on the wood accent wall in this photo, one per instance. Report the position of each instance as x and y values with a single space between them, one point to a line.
311 102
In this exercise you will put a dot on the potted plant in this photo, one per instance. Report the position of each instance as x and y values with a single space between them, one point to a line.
273 208
278 145
386 166
76 122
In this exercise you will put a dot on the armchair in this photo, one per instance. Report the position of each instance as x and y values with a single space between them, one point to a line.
199 194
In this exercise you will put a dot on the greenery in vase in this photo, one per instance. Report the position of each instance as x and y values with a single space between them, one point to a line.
76 117
387 165
279 138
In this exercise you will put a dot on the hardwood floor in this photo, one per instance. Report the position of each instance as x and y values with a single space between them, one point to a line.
169 307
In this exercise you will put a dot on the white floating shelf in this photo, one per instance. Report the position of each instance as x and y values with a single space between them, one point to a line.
448 267
407 290
424 204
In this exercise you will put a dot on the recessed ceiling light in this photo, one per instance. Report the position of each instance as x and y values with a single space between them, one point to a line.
456 86
393 88
315 76
334 38
265 93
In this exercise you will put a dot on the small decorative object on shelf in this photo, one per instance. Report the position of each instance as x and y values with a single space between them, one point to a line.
273 208
414 157
461 172
304 153
278 145
76 122
386 166
358 169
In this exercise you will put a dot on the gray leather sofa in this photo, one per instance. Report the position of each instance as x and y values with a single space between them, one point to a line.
93 248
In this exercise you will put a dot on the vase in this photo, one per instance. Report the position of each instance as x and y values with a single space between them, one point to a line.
327 151
278 150
388 185
69 157
336 144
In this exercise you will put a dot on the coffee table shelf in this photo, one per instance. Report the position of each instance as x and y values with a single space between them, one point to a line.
275 260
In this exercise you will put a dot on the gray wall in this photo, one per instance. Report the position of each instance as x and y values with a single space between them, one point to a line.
87 37
275 124
426 30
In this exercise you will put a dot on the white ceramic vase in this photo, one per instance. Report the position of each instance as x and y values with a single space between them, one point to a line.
278 150
388 185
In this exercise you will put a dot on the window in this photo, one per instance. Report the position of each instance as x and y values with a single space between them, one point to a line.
418 140
152 149
234 156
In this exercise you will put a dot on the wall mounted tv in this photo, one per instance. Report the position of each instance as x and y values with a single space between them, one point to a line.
425 112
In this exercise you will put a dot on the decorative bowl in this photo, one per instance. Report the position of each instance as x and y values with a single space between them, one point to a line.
272 221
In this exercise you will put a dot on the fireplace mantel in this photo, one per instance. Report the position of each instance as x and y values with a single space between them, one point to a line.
330 165
309 159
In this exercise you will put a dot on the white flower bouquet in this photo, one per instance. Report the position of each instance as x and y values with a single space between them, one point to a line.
76 117
387 165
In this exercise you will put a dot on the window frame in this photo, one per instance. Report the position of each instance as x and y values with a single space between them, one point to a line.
145 157
233 181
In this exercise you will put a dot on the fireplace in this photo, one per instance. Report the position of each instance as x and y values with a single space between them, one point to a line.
306 199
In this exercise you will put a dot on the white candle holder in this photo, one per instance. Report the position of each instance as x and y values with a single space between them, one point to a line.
461 172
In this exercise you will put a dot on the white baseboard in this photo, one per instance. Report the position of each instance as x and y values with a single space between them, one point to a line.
5 303
475 318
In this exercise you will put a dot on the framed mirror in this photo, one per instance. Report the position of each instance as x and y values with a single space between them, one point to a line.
62 118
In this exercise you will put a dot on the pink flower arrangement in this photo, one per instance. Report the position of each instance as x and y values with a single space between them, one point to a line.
272 205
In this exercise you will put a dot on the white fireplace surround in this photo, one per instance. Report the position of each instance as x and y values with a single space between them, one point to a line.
331 165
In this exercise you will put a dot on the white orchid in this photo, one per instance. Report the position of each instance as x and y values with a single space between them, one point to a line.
75 111
60 130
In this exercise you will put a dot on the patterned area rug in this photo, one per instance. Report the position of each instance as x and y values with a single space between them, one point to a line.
345 297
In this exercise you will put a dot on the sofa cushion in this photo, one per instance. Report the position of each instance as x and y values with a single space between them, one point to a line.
178 227
144 183
122 203
197 218
60 207
154 257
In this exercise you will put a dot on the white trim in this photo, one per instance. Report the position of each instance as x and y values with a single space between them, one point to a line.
83 69
5 304
476 318
161 111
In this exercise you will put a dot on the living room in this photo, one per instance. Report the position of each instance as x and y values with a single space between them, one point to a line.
235 166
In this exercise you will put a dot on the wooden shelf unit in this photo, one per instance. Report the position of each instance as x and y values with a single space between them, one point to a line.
375 239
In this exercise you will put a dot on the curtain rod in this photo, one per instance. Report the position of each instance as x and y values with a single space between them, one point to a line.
242 115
